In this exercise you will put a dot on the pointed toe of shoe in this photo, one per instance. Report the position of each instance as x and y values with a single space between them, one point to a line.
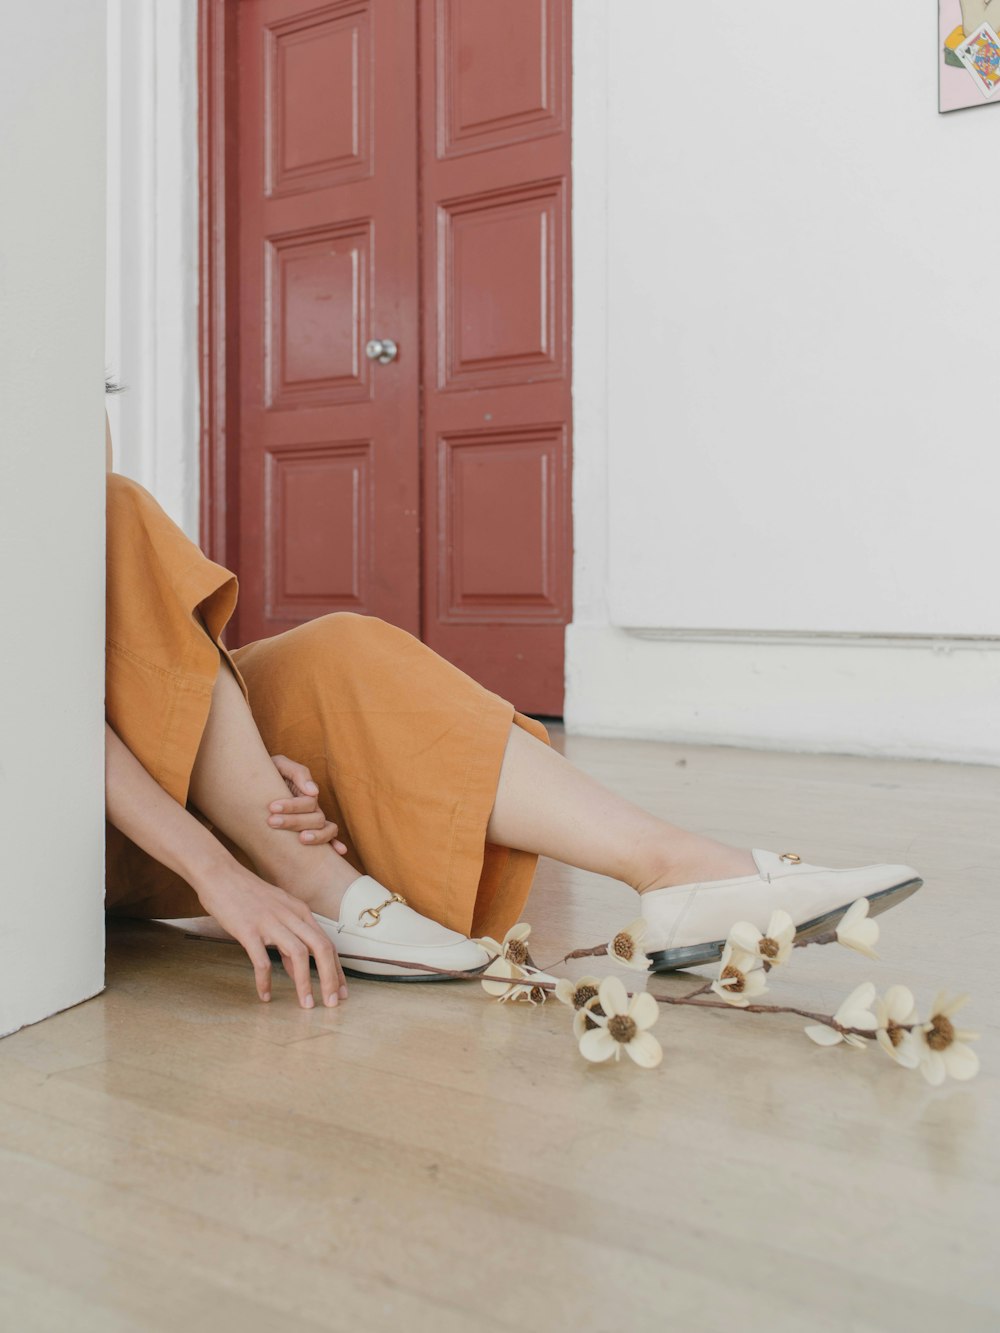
688 925
891 884
871 881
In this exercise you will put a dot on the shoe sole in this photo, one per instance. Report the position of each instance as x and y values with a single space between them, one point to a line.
693 955
408 976
275 955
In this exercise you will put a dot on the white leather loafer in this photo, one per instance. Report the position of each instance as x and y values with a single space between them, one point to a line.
687 924
376 923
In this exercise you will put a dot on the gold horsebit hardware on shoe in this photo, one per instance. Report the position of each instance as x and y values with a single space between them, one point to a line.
789 856
376 912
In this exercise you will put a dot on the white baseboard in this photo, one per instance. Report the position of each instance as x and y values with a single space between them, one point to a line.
904 698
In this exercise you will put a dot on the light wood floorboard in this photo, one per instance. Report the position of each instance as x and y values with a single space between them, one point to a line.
176 1156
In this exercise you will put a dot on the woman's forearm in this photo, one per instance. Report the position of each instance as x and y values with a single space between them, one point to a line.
138 806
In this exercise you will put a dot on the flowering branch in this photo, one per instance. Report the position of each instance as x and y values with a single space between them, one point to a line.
608 1019
690 999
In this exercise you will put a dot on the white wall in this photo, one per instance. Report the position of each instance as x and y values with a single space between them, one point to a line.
152 334
786 457
51 508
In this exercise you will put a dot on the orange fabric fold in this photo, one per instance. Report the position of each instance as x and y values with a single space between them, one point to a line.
405 747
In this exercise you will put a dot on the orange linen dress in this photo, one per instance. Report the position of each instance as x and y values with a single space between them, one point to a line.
405 748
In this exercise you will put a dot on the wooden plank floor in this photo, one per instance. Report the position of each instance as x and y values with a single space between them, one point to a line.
176 1156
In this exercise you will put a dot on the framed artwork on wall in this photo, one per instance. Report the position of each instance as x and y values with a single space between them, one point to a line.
968 53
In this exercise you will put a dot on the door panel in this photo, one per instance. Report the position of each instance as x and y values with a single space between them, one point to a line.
501 72
329 457
500 258
495 176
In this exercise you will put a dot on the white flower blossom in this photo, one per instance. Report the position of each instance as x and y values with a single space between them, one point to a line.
502 968
587 1016
857 931
624 947
855 1012
576 993
513 946
508 959
942 1047
530 991
773 945
739 980
895 1013
624 1026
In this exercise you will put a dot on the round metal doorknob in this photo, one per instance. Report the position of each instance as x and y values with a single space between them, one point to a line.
382 350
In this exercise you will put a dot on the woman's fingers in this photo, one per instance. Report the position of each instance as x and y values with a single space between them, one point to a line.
258 955
298 819
293 805
295 773
331 977
322 948
295 957
302 815
298 939
328 834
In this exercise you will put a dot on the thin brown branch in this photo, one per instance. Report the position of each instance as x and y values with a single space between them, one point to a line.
598 951
826 1019
691 994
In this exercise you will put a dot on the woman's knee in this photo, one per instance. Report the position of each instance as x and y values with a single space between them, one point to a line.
339 629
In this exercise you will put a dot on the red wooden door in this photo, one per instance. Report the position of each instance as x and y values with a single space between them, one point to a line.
495 176
403 173
328 450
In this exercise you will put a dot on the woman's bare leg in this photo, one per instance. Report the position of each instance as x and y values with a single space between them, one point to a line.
543 804
233 783
546 805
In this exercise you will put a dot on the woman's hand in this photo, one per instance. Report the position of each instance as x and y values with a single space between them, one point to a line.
301 813
254 912
257 914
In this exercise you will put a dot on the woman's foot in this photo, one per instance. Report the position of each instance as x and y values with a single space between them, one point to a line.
687 923
320 879
375 924
689 858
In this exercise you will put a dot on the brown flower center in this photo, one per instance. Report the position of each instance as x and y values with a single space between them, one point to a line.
582 994
588 1021
517 951
895 1033
941 1034
538 994
768 948
623 946
738 980
622 1028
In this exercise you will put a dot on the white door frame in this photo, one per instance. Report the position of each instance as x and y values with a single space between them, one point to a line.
152 328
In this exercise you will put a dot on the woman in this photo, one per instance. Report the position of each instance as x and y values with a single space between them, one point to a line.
342 789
